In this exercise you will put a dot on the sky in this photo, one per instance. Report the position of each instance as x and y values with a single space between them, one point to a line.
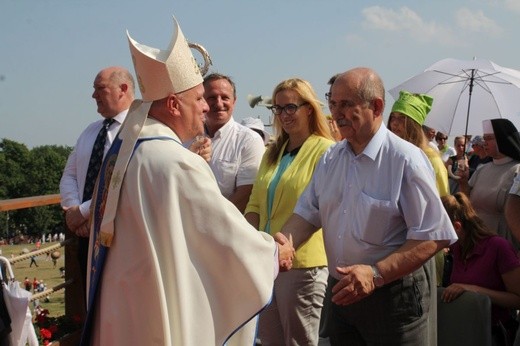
51 50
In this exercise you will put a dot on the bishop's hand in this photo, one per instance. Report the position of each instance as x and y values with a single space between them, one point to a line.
285 251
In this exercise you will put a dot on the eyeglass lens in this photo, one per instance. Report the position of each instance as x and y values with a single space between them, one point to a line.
289 109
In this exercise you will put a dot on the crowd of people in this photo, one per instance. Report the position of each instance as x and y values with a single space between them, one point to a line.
201 230
481 175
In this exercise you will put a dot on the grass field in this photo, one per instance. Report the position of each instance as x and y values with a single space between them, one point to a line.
45 271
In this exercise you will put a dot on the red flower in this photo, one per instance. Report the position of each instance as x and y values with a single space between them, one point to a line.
45 333
53 328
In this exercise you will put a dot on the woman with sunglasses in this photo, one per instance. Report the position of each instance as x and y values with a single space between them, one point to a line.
442 144
302 135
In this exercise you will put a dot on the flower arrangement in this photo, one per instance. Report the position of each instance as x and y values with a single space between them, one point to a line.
53 328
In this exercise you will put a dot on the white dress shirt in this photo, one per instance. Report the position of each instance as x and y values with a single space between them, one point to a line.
369 205
236 155
72 181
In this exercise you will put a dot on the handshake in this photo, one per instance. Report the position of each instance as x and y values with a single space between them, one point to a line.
285 251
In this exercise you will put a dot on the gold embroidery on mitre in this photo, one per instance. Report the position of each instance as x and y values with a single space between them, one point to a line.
195 65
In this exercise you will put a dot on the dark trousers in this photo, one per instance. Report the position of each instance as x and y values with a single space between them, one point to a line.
83 243
395 314
325 311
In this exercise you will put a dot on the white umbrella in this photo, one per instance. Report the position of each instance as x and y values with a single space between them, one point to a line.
465 92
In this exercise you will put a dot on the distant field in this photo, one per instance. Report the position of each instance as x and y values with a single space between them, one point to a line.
45 271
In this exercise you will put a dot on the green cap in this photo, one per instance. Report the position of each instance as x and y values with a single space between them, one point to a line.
416 106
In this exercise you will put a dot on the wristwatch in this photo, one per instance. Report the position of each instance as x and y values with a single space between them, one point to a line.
378 279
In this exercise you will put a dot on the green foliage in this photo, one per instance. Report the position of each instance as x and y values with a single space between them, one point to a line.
14 157
31 172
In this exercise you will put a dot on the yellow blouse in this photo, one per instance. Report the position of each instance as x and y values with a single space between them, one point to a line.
291 185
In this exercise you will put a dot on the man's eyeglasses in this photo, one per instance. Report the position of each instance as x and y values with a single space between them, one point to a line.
289 108
327 96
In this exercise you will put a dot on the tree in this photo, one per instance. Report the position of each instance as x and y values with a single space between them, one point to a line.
13 161
25 173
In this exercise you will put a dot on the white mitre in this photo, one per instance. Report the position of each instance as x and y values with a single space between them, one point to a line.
161 72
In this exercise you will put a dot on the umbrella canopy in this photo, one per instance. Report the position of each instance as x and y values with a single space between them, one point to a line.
465 92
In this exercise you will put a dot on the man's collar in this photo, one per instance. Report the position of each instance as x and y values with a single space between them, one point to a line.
223 129
121 116
375 143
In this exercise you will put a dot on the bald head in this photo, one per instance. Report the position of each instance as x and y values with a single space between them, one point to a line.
366 81
357 102
113 91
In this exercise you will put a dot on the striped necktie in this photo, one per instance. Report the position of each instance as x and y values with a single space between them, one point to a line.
96 158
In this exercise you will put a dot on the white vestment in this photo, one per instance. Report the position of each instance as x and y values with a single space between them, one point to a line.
184 267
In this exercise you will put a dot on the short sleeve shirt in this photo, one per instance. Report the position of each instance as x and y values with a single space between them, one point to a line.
369 204
491 257
236 155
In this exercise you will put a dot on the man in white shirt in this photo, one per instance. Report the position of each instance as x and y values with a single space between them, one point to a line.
236 150
114 93
375 197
